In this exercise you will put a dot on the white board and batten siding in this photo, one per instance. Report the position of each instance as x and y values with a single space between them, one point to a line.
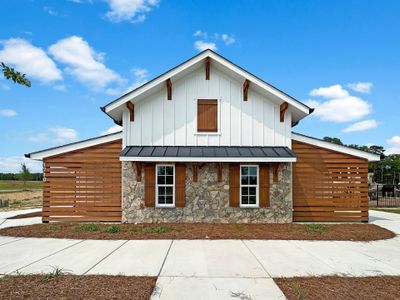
162 122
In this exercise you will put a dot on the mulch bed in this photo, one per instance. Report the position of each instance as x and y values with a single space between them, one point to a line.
345 232
343 288
76 287
27 215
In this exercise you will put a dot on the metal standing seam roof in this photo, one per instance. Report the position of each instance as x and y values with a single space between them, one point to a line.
207 151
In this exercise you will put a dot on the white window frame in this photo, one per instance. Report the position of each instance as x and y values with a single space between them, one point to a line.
218 132
250 185
165 185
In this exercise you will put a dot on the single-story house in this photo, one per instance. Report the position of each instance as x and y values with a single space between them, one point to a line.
206 141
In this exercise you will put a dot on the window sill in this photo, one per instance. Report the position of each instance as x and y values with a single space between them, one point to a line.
165 206
249 206
207 133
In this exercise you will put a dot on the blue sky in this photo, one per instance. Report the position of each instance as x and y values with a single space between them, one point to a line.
340 56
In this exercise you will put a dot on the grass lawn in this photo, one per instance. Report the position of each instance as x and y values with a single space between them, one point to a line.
346 232
60 286
343 288
390 210
19 185
22 200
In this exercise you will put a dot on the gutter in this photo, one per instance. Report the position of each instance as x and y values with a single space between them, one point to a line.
103 109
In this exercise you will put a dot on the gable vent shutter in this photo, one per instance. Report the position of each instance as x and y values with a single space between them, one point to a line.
264 185
234 185
180 178
149 184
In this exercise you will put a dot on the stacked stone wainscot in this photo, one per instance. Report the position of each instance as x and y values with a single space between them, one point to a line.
207 200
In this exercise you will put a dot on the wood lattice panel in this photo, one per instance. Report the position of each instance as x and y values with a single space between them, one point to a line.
83 185
329 186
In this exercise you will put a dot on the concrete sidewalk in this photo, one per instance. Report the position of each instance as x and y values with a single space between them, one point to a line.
208 269
4 222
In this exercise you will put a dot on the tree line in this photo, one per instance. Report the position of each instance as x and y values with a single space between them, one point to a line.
386 171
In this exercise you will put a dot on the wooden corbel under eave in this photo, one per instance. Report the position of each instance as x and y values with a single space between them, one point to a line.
219 171
138 171
131 108
275 170
208 62
246 85
195 171
284 106
169 89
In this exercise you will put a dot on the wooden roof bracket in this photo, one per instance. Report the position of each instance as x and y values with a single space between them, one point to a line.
246 85
195 167
208 62
138 171
169 89
131 108
275 171
284 106
219 171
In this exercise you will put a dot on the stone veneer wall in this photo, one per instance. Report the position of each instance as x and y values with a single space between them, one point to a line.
207 200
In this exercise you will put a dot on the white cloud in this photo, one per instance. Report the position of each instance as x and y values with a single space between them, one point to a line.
346 109
361 126
55 135
334 91
339 105
83 62
394 145
28 59
228 39
202 45
140 77
4 87
201 34
7 113
112 129
13 164
361 87
60 88
129 10
50 11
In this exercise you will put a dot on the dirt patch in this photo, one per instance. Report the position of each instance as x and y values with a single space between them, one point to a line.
344 288
343 232
22 200
28 215
76 287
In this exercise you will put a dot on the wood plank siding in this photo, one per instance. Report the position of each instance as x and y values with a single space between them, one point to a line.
83 185
328 186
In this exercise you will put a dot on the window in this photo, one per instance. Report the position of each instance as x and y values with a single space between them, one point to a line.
207 115
249 186
165 185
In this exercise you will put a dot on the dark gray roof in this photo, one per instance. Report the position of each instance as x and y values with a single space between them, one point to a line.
206 151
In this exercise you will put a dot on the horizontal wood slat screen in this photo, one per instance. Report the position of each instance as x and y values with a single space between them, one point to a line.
83 185
328 186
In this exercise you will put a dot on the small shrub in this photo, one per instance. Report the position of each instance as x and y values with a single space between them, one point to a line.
132 229
298 291
240 227
315 228
57 272
112 229
88 227
51 227
156 229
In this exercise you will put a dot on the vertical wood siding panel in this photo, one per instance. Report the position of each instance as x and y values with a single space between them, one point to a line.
136 127
126 126
191 109
280 139
257 130
169 135
158 123
236 100
247 121
269 123
147 122
225 122
180 112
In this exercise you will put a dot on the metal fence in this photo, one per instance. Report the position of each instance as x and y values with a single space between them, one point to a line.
384 195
